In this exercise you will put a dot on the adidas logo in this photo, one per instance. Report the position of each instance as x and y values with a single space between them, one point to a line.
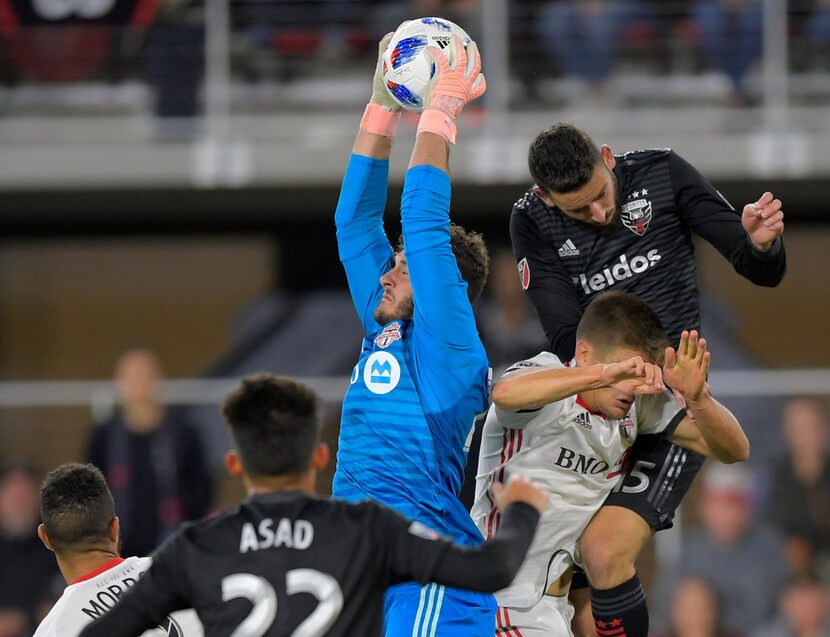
568 249
583 420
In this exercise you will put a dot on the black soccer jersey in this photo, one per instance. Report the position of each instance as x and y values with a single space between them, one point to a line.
647 250
287 563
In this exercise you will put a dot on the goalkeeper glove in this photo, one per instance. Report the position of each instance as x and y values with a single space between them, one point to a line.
382 112
453 86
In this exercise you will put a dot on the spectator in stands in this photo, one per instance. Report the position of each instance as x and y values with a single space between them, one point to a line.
740 558
583 36
26 574
153 459
804 611
509 328
695 611
175 64
818 25
731 36
465 13
799 495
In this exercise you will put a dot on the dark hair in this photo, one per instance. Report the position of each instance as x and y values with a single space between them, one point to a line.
562 158
76 507
471 255
619 319
274 424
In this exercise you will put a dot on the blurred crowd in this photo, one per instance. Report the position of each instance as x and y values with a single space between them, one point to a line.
282 40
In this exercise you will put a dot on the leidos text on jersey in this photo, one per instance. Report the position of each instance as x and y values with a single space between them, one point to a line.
623 269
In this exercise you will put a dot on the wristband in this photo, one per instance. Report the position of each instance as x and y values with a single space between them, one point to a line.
438 122
379 120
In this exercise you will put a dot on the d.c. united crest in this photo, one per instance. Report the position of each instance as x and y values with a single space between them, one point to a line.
636 215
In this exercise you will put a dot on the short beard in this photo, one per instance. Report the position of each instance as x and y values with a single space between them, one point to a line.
403 311
616 219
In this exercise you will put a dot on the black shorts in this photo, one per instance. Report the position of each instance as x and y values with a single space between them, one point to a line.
658 476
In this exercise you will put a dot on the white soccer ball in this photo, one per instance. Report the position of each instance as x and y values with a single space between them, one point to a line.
407 68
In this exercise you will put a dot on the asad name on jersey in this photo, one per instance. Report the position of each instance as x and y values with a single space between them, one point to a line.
287 563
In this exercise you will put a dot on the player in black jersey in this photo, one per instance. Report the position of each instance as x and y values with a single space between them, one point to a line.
595 221
285 562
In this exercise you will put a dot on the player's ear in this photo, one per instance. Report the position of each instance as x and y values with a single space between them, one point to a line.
41 533
541 194
320 457
608 157
114 530
584 353
233 464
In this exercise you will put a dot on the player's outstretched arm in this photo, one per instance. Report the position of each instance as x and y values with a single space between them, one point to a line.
381 117
361 240
714 432
530 388
442 307
488 567
751 241
453 87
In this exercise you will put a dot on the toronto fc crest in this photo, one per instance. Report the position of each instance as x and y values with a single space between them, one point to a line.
389 335
636 214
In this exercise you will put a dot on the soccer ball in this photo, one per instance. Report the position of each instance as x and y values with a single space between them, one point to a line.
407 68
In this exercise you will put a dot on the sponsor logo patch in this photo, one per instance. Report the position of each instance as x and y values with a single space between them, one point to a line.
381 373
623 269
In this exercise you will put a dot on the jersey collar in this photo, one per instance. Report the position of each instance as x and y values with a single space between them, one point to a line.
111 564
584 405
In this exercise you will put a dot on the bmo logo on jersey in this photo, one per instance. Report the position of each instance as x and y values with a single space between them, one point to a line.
578 463
623 269
382 373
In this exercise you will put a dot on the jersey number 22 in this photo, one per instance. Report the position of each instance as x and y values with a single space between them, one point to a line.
262 595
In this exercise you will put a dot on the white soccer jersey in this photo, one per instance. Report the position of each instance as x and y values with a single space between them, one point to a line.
577 455
92 596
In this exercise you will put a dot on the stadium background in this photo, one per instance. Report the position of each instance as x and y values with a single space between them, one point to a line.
169 170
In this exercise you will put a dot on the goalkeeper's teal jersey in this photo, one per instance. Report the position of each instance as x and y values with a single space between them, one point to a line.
419 383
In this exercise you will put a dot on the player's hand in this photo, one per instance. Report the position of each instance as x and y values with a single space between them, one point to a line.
649 377
380 95
454 86
686 368
519 489
763 221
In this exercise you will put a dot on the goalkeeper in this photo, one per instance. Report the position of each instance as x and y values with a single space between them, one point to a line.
422 375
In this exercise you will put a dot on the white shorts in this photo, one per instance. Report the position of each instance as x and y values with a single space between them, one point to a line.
551 617
552 552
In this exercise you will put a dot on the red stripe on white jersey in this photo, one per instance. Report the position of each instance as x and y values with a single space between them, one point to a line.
510 446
